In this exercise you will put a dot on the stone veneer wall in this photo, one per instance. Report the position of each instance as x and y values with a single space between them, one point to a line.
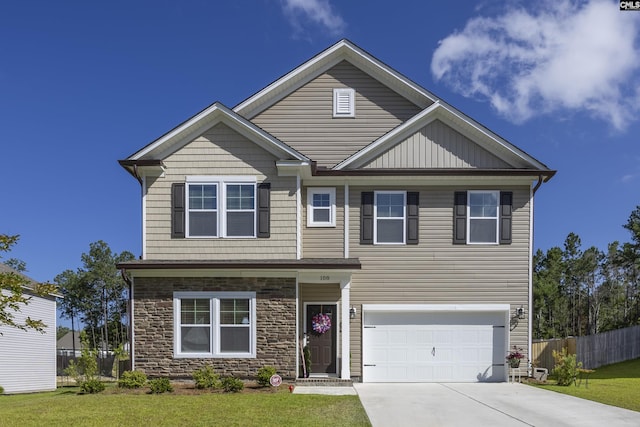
275 326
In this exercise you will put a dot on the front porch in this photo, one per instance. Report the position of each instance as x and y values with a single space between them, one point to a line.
324 313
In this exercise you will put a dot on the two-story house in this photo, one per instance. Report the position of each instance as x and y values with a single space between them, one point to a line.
342 209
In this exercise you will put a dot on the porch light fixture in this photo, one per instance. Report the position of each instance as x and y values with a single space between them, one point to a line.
352 312
520 312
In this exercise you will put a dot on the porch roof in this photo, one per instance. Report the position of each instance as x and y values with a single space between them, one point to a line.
245 264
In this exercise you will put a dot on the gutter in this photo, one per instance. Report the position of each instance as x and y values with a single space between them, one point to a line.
542 178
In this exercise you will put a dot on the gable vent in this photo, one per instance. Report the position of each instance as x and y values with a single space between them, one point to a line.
344 103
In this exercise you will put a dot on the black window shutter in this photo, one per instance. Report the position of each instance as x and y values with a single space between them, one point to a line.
506 207
413 202
366 218
177 210
264 210
460 218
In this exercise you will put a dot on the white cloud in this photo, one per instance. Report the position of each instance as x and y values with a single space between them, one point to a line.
565 56
318 12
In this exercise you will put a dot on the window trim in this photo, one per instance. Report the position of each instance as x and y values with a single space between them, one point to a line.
221 183
311 191
496 193
215 324
339 92
375 217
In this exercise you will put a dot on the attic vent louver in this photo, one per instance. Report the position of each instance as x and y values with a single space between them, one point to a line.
344 102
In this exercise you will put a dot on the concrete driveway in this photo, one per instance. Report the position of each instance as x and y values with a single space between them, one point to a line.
484 404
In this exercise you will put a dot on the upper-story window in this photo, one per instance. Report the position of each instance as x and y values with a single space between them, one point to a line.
344 102
389 217
203 210
220 207
321 207
483 216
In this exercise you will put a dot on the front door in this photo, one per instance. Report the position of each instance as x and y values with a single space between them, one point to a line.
321 329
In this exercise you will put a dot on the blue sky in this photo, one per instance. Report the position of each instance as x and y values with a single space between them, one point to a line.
84 84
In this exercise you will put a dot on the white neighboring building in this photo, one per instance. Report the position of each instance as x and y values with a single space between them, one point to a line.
28 358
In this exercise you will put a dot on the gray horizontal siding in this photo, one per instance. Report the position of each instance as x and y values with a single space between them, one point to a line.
220 151
324 242
304 119
436 271
437 146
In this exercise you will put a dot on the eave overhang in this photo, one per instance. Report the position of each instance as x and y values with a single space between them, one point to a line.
343 264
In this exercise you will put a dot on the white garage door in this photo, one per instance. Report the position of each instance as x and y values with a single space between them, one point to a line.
406 346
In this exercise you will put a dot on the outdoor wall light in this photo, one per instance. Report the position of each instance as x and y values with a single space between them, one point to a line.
520 312
352 312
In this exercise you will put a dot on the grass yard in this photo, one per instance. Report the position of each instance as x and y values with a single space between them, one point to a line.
616 385
65 408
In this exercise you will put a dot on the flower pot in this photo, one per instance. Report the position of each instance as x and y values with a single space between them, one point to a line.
514 363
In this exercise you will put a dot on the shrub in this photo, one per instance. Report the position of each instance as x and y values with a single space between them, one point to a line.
232 384
92 385
85 370
566 369
264 375
1 390
132 379
160 385
206 378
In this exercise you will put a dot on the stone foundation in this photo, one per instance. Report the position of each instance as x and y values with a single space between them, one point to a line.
275 326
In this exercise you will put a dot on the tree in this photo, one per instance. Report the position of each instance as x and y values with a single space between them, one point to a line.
578 292
17 264
96 294
12 293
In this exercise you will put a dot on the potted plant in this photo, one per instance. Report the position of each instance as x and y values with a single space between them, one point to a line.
514 357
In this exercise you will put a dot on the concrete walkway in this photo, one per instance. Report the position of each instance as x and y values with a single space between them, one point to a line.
484 404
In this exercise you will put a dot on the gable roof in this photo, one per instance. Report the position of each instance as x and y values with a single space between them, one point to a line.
30 285
341 51
439 110
196 125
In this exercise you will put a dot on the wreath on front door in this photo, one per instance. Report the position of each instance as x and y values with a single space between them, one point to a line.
320 323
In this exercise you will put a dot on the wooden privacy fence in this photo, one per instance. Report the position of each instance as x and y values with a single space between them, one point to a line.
609 347
592 350
542 351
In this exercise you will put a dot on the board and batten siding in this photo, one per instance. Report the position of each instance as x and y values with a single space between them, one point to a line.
28 358
304 119
324 242
436 271
221 151
437 145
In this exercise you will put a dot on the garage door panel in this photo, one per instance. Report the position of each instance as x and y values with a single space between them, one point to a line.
463 351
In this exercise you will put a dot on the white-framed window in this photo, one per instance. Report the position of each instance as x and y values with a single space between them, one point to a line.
240 210
344 102
202 207
221 207
389 225
482 216
214 324
321 207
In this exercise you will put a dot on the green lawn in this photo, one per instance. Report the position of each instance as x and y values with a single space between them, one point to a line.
617 385
65 408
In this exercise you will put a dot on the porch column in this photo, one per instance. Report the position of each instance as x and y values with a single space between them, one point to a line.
345 366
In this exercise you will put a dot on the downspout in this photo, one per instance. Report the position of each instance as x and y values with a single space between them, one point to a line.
538 184
136 174
129 282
